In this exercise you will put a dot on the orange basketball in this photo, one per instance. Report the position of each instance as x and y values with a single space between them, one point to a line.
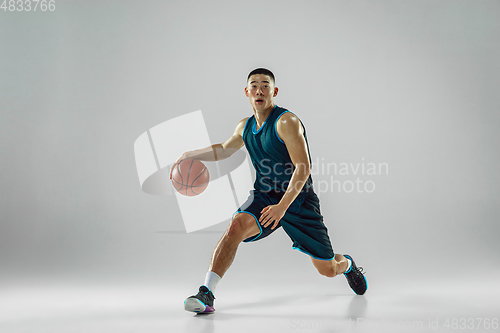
190 177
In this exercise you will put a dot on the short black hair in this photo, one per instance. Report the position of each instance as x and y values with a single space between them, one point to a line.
264 71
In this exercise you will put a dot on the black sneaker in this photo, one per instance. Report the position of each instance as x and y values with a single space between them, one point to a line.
203 302
355 277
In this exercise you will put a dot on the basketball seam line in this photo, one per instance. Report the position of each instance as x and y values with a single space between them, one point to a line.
189 173
198 176
180 174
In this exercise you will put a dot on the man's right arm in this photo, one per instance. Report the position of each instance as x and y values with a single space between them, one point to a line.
217 151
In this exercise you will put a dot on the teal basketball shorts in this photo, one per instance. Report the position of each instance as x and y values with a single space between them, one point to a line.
302 222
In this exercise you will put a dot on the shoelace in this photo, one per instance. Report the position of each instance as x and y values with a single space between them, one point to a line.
358 269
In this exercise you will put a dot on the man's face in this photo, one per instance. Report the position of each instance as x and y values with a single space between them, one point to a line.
261 92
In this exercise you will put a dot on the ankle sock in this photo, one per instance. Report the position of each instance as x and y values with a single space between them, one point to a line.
211 281
349 265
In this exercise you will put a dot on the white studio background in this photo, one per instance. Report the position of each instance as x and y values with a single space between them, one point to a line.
411 84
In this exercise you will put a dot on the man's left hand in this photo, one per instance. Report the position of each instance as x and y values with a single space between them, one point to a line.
271 214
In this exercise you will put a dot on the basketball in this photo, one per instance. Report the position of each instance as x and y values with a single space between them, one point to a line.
190 177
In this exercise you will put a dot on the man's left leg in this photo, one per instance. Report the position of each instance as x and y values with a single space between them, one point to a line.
331 268
304 224
343 264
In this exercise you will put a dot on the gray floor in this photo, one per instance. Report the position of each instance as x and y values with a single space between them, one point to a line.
326 305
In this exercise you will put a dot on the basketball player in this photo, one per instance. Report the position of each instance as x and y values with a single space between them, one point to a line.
283 196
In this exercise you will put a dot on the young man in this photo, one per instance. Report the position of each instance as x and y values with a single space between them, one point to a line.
283 196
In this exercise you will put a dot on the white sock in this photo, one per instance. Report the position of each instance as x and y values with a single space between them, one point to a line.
349 265
211 281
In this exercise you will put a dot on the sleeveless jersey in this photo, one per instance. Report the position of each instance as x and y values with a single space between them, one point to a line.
269 155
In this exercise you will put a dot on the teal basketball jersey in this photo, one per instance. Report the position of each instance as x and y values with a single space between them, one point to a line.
269 155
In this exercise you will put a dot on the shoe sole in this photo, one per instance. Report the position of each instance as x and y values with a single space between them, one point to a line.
197 306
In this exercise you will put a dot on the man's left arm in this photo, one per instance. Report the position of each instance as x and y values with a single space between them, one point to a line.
291 132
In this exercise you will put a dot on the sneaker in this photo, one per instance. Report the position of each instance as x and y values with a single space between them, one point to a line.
203 302
355 277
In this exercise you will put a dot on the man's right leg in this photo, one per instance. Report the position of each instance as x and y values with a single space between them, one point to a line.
242 226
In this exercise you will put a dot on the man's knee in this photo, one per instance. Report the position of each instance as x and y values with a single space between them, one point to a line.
242 226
